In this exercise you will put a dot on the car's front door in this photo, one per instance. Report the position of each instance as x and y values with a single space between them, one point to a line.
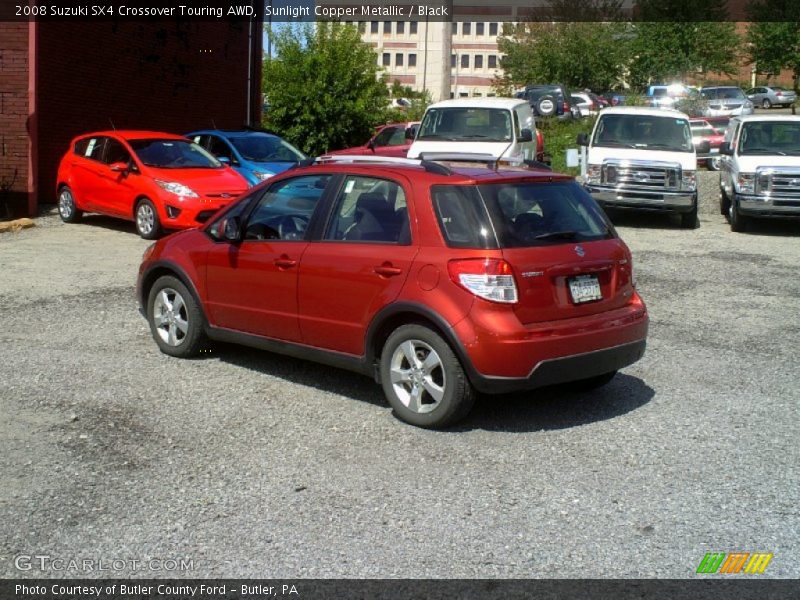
117 189
252 286
359 266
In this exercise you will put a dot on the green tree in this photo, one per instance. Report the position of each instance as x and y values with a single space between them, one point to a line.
774 36
576 54
324 87
676 38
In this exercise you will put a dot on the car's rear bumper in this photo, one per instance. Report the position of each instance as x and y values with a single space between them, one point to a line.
503 355
760 206
643 199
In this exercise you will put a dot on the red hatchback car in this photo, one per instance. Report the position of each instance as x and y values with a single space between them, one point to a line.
437 279
158 180
393 139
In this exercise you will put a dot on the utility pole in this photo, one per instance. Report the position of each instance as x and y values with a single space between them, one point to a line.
447 49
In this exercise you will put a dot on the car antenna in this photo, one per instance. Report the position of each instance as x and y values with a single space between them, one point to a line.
213 124
112 124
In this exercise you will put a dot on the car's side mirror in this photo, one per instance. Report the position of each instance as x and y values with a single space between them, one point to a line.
224 160
119 167
704 147
726 149
231 229
371 144
526 135
582 139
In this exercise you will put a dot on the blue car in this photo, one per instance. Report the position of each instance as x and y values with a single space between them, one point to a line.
256 155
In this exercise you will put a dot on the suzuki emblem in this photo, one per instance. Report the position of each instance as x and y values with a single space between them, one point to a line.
580 251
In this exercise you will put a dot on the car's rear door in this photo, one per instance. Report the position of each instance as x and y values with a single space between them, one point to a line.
87 172
360 264
252 286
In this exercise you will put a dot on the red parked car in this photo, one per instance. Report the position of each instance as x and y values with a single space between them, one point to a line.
393 140
158 180
434 278
704 130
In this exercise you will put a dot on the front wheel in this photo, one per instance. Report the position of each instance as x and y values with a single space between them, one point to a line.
737 220
766 103
148 225
423 379
689 220
713 164
67 209
176 321
724 202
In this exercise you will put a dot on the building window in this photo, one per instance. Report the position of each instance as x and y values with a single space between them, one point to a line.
479 61
398 60
463 95
387 27
493 29
412 60
480 28
454 28
373 27
452 61
492 61
466 29
490 95
465 61
387 59
412 28
478 94
401 27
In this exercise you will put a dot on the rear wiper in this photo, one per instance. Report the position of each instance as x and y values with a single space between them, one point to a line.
567 235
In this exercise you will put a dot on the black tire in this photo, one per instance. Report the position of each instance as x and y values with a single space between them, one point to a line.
189 343
689 219
145 216
724 202
737 220
67 209
458 395
546 106
591 383
766 104
712 164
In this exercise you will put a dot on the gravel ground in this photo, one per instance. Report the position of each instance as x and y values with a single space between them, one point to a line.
251 464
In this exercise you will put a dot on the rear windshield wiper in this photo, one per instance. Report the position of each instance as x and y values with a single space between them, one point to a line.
566 235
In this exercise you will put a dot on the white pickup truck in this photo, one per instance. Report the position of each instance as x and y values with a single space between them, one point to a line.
760 169
643 158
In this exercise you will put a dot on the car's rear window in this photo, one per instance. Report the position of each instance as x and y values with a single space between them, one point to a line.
513 215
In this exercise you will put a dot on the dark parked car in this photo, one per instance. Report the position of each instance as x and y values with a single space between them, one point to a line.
549 100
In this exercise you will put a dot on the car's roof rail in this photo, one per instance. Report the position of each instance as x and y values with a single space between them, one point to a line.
429 166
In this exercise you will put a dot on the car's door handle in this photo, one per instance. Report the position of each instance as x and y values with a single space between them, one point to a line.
284 262
387 270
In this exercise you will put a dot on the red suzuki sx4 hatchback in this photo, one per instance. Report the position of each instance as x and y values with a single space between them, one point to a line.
158 180
438 279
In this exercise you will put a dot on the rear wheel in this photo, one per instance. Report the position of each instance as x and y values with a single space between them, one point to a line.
148 225
67 209
423 379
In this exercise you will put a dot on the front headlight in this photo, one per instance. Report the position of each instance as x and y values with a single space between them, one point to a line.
263 175
173 187
689 181
593 174
746 183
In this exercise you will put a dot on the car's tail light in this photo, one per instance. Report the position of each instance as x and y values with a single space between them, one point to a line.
565 106
779 93
488 278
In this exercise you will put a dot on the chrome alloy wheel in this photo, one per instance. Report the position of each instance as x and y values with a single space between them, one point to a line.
66 204
170 317
145 218
417 376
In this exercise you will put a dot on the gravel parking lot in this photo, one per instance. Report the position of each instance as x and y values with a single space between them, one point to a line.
251 464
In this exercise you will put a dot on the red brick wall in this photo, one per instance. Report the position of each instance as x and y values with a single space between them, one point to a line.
165 76
13 116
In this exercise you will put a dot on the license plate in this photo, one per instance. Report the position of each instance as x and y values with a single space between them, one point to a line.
585 288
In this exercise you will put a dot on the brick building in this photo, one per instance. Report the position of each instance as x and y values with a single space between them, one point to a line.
60 79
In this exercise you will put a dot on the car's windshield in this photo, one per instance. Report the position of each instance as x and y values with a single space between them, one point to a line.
513 215
266 148
466 123
770 137
723 94
643 131
173 154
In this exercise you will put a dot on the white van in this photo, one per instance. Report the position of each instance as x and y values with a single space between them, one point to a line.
498 127
643 158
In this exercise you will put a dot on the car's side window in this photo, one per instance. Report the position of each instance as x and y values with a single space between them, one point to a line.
116 152
80 147
388 136
219 148
370 210
285 209
94 148
200 140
